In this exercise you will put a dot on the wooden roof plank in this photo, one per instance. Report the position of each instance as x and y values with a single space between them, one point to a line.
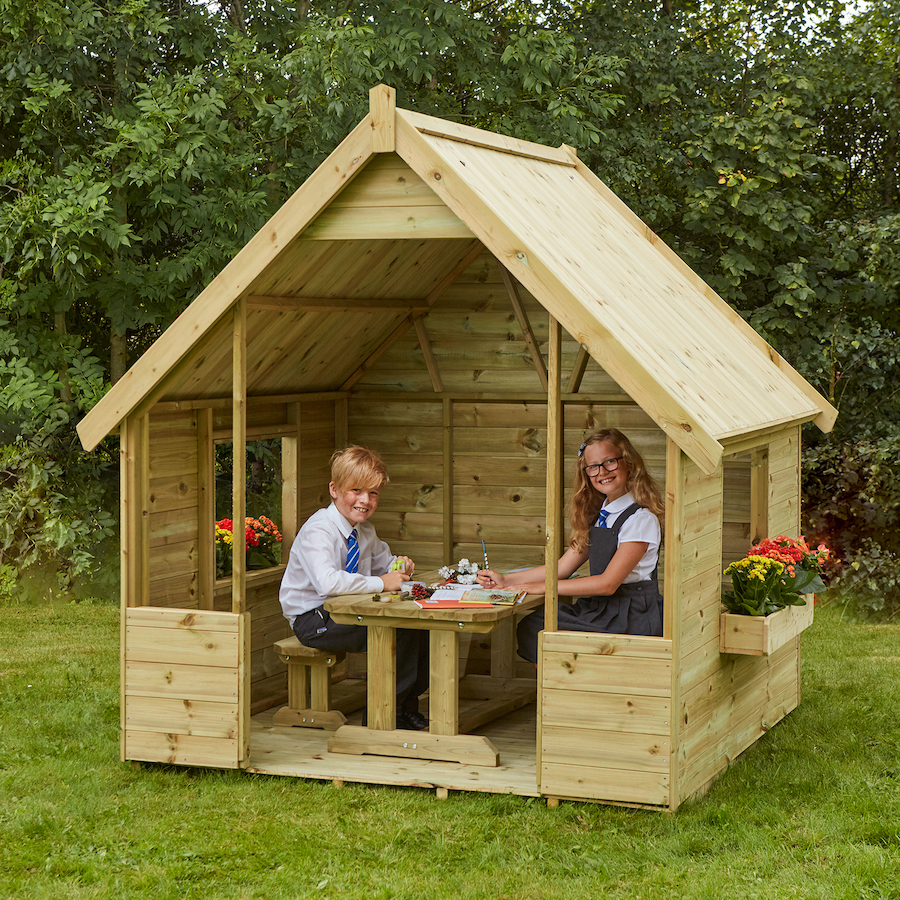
544 284
471 254
825 420
621 283
610 273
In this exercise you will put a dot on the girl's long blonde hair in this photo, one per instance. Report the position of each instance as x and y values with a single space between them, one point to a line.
586 501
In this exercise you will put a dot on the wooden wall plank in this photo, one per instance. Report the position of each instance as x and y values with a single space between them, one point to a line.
204 648
610 674
181 716
614 785
181 749
609 645
605 748
386 181
633 713
354 223
182 681
171 561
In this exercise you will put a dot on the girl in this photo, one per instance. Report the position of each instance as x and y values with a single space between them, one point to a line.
615 513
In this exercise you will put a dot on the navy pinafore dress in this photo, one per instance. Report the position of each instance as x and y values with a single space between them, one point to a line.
634 608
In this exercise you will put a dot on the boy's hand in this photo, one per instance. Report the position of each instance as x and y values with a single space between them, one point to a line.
403 564
393 581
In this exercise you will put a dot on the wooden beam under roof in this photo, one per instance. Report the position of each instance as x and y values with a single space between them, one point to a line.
577 375
525 325
428 353
468 258
333 304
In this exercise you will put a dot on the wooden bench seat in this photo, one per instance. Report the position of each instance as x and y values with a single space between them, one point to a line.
310 703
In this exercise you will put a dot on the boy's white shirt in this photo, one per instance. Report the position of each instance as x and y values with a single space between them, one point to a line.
315 568
642 527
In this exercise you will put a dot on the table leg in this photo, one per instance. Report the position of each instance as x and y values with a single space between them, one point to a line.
443 683
503 648
382 686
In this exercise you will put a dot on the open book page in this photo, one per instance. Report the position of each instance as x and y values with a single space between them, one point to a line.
479 595
451 602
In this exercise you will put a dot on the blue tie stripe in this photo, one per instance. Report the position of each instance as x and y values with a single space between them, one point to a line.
601 521
353 552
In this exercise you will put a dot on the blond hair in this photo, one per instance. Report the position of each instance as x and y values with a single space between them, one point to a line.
586 501
358 467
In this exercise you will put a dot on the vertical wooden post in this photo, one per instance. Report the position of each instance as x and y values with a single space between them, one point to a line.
382 109
134 482
759 495
554 477
206 508
672 599
448 481
341 423
443 689
134 451
239 457
290 483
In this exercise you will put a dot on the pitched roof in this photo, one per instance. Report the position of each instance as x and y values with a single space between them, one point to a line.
387 247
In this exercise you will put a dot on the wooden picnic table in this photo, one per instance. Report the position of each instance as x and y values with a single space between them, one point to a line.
447 737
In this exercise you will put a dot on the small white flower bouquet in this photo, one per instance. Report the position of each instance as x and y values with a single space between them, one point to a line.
464 573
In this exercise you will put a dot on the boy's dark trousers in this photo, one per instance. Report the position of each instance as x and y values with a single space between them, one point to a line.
317 629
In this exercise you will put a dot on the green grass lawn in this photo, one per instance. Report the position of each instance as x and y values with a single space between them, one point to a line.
812 810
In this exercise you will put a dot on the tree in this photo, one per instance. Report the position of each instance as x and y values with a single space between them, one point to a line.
144 141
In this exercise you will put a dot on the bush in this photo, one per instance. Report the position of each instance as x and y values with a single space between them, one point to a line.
55 524
852 494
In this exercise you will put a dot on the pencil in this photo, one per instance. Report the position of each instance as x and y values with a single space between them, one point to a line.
484 551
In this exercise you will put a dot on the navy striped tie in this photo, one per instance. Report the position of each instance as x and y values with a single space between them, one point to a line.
353 552
601 522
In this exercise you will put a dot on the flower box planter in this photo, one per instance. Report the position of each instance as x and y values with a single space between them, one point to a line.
762 635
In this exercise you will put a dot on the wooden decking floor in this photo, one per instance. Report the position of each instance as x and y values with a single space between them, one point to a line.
303 753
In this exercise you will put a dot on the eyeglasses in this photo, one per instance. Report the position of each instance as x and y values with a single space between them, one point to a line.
609 464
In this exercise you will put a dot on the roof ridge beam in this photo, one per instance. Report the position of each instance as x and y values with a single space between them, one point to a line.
477 137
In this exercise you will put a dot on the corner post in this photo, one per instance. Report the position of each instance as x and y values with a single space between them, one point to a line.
554 478
382 110
239 456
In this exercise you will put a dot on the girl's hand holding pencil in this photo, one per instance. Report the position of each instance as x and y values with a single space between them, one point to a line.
488 578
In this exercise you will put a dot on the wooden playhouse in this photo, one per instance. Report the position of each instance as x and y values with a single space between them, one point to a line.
471 306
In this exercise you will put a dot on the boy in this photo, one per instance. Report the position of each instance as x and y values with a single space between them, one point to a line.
337 552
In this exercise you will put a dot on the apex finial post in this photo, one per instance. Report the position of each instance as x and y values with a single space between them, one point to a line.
382 108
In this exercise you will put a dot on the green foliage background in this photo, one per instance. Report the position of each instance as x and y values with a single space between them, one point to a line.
142 143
